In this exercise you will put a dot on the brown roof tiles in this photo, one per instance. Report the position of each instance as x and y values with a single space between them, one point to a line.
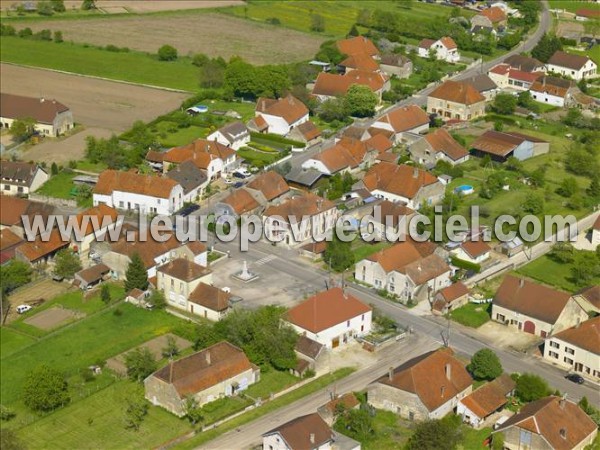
304 433
585 336
458 92
289 108
402 179
241 201
183 269
563 59
19 107
210 297
405 118
494 13
150 185
271 184
358 45
303 205
490 397
441 141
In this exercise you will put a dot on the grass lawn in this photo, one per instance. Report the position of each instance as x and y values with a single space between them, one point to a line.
390 432
97 422
362 249
90 166
59 186
271 382
550 272
473 439
568 5
132 66
259 159
84 343
297 394
176 137
11 342
472 315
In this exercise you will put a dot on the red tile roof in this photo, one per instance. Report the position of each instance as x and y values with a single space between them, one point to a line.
304 433
501 143
325 310
289 108
441 141
331 84
361 62
103 214
454 291
241 201
552 85
148 250
8 239
589 13
379 143
19 107
38 249
309 130
302 205
358 45
585 336
494 13
210 297
435 377
490 397
402 180
427 43
591 294
271 184
457 92
183 269
150 185
448 42
475 248
201 152
405 118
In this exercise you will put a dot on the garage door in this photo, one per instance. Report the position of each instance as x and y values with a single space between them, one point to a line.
335 342
529 327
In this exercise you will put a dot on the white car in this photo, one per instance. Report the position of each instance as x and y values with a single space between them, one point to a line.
244 172
21 309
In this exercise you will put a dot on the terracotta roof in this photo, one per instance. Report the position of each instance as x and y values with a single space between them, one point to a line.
19 107
361 62
380 143
441 141
297 433
494 13
589 13
183 269
210 297
549 416
490 397
308 347
531 299
427 43
374 131
405 118
448 42
135 293
11 209
196 247
150 185
154 156
374 80
348 401
302 205
458 92
454 291
289 108
309 130
564 59
271 184
8 239
528 77
148 250
354 132
388 157
552 85
402 179
260 123
201 152
591 294
475 248
103 214
393 212
38 249
358 45
331 84
428 377
426 269
585 336
523 63
241 201
338 157
93 273
501 143
204 369
325 310
18 173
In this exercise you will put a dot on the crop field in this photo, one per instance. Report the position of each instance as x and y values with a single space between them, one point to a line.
339 15
210 33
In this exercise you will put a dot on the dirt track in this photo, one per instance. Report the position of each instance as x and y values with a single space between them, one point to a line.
143 6
210 33
95 103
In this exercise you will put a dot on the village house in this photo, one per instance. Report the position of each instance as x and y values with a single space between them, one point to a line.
306 132
576 67
309 432
330 410
221 370
508 78
100 220
456 100
409 270
548 423
524 63
577 349
210 156
403 121
358 62
299 218
358 45
21 178
146 194
396 64
88 278
426 387
347 155
389 220
437 146
238 203
303 179
281 116
553 91
484 401
310 355
535 308
484 85
444 49
192 180
501 145
13 209
209 302
178 278
450 298
332 318
331 85
42 250
589 297
474 251
270 185
51 118
403 183
234 135
490 17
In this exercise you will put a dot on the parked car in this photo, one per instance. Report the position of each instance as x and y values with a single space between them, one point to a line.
575 378
21 309
239 184
239 175
227 180
187 210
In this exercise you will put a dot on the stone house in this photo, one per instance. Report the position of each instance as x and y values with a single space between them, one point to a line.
178 278
221 370
394 64
456 100
450 298
438 146
21 178
403 122
209 302
490 17
473 251
486 400
426 387
310 355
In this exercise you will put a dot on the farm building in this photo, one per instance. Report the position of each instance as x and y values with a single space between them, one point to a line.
51 118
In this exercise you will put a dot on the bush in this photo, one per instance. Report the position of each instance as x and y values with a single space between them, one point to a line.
45 389
58 37
25 33
461 263
485 365
277 138
531 387
167 53
7 30
273 21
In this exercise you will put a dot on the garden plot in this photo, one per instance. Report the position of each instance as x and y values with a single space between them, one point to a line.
53 317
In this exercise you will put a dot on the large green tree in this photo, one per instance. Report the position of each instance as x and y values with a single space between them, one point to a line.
140 363
434 435
66 263
136 276
546 47
338 254
45 389
505 104
361 101
22 129
485 365
531 387
13 275
167 53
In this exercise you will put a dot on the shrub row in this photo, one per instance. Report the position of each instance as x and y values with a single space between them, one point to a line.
277 138
461 263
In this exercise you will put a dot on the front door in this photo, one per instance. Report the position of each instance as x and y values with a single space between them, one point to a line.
335 342
529 327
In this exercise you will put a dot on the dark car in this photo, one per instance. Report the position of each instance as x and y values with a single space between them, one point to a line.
239 175
187 210
575 378
239 184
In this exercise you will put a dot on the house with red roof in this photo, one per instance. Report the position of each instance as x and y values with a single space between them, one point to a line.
456 100
438 146
475 251
331 85
449 298
486 400
404 120
574 66
507 77
444 49
493 17
347 155
332 318
280 115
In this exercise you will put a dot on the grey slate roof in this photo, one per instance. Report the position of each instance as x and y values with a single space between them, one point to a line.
17 173
188 176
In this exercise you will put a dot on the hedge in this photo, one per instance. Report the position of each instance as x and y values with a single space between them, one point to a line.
262 148
461 263
277 138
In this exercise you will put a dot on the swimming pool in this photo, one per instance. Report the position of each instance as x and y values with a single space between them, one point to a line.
464 189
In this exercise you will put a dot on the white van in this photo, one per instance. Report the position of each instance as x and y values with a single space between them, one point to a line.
23 308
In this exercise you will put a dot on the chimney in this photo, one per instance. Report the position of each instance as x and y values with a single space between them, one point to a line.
391 373
448 370
562 401
312 438
443 391
563 433
415 172
207 355
521 282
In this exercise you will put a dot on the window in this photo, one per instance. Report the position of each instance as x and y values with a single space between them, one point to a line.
568 360
7 187
569 350
553 354
500 317
391 287
362 317
554 344
20 189
348 323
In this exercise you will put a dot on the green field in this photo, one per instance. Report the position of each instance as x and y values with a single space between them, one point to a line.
472 315
12 341
339 15
569 5
84 343
132 66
